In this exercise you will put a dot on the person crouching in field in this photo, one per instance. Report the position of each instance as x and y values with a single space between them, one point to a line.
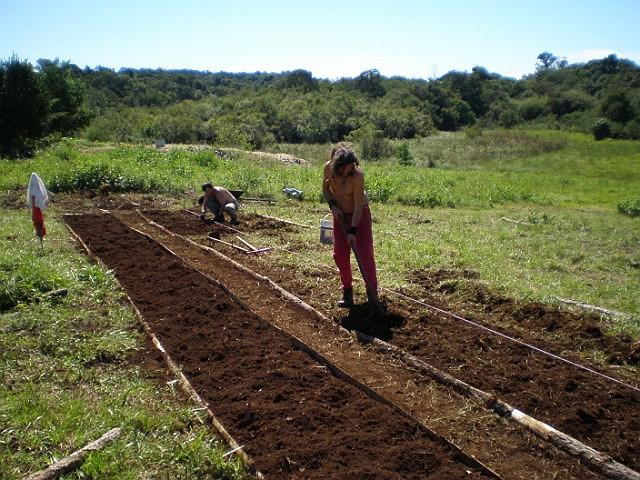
343 189
219 200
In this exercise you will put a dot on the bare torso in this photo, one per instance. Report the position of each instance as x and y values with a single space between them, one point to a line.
347 191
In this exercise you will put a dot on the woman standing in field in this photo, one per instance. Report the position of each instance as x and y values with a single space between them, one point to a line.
343 189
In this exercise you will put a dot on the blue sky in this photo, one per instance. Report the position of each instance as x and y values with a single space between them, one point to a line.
330 38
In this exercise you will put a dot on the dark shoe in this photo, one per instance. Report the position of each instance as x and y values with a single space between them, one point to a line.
372 297
347 298
219 219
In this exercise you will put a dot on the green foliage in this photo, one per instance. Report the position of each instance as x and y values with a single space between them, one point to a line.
258 110
23 108
617 107
34 104
473 132
381 188
301 79
370 83
630 206
25 278
101 177
601 129
120 125
632 129
509 116
532 108
67 112
371 143
403 154
564 102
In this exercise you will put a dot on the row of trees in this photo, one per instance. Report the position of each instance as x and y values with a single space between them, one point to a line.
256 109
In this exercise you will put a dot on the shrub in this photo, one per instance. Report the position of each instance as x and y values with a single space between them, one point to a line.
372 143
632 130
473 132
630 207
601 129
101 177
617 107
404 154
532 108
563 103
510 117
381 188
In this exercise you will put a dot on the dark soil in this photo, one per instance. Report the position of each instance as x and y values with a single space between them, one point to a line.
569 330
598 412
294 417
187 222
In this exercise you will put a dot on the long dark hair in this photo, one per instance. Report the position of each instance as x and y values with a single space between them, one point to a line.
342 154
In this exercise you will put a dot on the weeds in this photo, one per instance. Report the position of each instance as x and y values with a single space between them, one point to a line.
630 207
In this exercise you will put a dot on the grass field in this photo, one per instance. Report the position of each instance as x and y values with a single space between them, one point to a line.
535 213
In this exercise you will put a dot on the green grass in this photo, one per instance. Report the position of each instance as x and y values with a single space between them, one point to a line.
65 378
496 168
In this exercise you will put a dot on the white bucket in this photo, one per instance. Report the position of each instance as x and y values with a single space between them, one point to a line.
326 230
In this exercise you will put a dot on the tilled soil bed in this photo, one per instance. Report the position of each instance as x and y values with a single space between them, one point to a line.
295 418
600 413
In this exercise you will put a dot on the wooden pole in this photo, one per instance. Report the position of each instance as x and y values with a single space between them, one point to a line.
284 221
237 247
587 306
246 243
259 251
264 200
592 458
74 460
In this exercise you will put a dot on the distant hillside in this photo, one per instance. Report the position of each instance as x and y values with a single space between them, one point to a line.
251 110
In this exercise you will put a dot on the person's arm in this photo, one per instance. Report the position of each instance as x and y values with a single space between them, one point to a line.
326 191
234 200
358 205
203 208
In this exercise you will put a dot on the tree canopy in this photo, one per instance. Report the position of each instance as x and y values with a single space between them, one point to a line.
255 109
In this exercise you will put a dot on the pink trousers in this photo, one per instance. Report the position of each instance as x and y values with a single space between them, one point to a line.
364 247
